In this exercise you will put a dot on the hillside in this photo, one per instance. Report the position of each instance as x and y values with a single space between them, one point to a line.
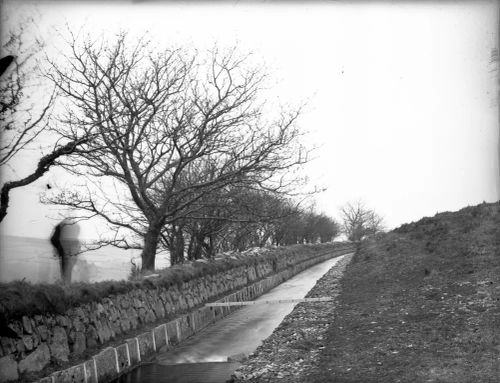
420 304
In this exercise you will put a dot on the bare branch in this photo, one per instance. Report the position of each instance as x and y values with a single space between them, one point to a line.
174 133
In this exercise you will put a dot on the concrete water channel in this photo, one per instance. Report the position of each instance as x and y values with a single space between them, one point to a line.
204 356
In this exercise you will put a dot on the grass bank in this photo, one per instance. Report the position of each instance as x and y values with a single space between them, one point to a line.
420 304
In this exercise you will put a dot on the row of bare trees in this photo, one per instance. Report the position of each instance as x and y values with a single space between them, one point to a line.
172 149
245 219
360 222
161 142
174 133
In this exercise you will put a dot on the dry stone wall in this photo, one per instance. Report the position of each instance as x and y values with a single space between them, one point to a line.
55 339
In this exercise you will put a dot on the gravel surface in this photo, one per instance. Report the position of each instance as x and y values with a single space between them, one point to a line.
291 352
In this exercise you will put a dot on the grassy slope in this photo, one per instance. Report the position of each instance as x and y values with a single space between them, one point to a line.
421 304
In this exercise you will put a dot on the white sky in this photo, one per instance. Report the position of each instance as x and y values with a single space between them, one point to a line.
401 98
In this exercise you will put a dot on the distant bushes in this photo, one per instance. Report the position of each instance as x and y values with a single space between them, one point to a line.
425 228
452 232
472 232
446 223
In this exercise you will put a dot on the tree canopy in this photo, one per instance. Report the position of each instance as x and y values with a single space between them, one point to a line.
171 130
359 222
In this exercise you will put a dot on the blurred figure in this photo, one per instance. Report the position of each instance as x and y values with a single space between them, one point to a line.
66 244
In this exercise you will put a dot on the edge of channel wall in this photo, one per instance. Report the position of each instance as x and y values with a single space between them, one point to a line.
112 362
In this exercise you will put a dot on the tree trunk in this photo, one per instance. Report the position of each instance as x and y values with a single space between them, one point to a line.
151 240
190 248
176 246
211 247
195 248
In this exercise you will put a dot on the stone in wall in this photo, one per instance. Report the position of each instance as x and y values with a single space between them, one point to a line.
91 336
114 328
103 331
58 345
35 361
20 346
63 321
189 301
100 309
8 369
133 317
141 313
149 316
27 325
124 322
158 309
36 340
92 313
8 345
27 341
17 327
124 302
77 324
182 303
39 320
79 312
77 342
113 313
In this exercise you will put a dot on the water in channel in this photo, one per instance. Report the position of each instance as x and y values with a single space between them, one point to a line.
203 357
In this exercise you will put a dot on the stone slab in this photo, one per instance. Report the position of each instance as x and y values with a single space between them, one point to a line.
146 345
8 369
122 352
133 349
173 337
106 364
160 336
35 361
74 374
90 370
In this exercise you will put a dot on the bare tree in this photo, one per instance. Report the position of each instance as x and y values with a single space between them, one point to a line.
206 229
257 214
325 227
156 118
238 219
289 228
360 222
23 121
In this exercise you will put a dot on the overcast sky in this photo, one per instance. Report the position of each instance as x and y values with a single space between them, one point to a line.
402 98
